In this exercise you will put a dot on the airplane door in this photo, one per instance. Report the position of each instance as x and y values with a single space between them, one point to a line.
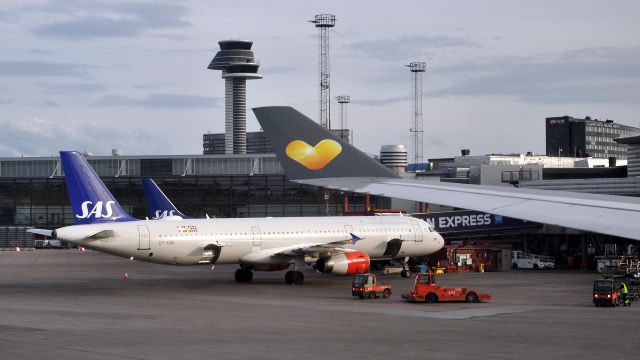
349 230
417 229
257 237
144 238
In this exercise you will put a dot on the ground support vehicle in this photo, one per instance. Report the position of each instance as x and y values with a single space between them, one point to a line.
426 290
606 292
367 286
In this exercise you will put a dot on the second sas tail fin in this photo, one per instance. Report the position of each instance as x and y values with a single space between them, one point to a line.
158 204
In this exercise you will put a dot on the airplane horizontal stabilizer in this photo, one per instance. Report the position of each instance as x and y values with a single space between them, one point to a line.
43 232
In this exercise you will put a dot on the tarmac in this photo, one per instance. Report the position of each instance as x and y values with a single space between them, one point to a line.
66 304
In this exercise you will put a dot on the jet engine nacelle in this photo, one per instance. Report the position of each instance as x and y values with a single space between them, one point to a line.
349 263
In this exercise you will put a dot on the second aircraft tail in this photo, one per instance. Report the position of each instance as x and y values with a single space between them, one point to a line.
158 204
306 150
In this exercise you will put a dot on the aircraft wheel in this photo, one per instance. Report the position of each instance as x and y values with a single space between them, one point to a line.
404 273
386 293
243 275
298 278
248 276
288 277
372 295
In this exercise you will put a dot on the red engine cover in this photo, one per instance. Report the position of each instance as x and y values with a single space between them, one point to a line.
349 263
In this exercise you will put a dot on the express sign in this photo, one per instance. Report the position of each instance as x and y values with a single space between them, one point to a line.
466 220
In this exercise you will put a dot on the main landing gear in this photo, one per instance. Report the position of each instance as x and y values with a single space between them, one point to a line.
244 275
294 277
405 268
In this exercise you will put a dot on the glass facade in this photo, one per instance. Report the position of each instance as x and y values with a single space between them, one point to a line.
257 143
33 190
44 202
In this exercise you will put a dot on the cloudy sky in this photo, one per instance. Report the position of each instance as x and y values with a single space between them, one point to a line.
95 75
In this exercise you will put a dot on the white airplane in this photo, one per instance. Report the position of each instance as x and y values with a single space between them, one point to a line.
341 245
311 155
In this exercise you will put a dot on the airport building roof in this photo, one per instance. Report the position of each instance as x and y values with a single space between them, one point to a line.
148 165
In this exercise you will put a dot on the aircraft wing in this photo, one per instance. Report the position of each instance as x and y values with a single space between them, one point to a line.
268 256
311 155
606 214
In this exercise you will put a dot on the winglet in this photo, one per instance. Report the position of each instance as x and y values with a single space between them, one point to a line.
306 150
158 204
91 201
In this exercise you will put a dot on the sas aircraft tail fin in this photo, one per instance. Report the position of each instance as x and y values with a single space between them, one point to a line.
158 204
306 150
91 201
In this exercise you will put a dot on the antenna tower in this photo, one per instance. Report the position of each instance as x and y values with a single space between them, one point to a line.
417 134
324 22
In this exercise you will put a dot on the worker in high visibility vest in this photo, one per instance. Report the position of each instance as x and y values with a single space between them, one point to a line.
623 292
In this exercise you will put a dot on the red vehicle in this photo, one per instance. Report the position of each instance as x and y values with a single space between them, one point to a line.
426 290
367 286
605 292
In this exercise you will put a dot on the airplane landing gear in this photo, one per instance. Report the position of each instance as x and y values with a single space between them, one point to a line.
244 275
294 277
405 268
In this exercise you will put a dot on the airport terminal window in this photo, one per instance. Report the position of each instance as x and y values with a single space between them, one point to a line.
156 167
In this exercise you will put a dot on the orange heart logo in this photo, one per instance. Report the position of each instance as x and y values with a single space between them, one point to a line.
313 157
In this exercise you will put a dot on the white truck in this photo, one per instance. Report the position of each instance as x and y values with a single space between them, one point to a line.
523 260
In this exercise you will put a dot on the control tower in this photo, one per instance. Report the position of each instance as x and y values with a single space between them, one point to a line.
237 63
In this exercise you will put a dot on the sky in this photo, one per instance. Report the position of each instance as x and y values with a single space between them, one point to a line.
96 75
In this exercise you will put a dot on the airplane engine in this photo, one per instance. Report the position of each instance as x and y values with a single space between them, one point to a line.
349 263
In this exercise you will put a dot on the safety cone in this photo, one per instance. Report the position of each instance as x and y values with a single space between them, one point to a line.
81 249
126 276
18 248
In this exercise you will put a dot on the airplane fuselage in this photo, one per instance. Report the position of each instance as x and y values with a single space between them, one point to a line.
183 242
